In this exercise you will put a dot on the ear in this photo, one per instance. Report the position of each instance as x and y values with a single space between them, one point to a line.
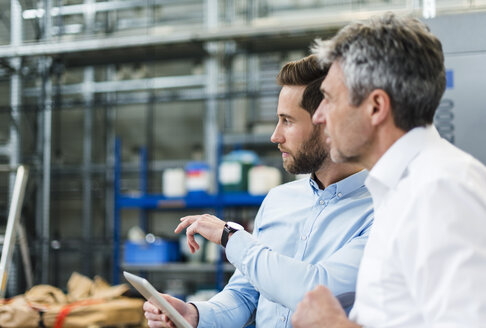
379 107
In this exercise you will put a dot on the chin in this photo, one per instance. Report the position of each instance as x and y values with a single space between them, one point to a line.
336 157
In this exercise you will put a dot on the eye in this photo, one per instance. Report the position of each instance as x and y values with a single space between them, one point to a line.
286 121
283 120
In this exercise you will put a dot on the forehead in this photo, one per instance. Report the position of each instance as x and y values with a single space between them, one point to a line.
291 97
292 91
290 102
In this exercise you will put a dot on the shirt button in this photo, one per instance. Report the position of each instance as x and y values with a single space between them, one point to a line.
282 318
340 195
321 202
303 237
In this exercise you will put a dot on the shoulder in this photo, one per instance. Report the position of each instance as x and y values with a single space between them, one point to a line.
358 198
444 189
300 186
445 164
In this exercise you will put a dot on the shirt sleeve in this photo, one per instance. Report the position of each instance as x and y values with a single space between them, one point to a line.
285 280
444 256
235 305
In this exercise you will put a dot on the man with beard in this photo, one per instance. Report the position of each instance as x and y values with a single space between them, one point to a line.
307 232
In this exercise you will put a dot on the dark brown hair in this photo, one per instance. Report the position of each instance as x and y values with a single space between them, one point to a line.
305 72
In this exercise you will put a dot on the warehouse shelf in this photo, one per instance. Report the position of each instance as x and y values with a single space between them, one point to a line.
275 25
166 82
190 202
63 55
178 267
80 9
145 201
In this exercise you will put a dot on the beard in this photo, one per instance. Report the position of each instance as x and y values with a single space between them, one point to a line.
310 157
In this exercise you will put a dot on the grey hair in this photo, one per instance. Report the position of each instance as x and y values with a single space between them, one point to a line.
396 54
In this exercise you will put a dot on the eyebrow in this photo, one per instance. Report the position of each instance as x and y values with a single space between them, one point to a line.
285 116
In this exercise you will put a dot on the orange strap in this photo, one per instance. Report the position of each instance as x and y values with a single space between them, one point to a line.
65 310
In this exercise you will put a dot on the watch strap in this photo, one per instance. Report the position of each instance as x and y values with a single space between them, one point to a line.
225 235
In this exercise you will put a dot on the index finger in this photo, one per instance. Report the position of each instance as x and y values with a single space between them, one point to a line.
149 307
185 222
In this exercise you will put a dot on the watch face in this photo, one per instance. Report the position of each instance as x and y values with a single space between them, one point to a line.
234 225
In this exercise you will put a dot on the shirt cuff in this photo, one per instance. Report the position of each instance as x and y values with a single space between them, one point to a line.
237 248
205 316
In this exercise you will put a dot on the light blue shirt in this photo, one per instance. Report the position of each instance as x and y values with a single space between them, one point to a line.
303 237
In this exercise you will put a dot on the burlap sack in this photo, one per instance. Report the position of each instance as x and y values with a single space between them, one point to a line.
88 303
81 288
17 313
45 295
85 313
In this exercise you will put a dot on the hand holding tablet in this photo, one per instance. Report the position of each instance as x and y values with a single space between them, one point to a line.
153 296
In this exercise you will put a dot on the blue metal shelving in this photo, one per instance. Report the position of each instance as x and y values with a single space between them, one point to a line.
156 201
145 201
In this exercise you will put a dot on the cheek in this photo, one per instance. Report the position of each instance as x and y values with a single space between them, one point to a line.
342 128
333 121
359 132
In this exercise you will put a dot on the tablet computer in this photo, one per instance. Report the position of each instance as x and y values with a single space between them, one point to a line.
151 294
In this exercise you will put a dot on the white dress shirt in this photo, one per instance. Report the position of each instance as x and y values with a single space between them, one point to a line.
425 261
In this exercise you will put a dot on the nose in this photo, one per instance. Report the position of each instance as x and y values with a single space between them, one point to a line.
277 137
319 116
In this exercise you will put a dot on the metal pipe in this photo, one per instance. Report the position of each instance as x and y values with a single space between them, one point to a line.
46 172
13 146
110 118
268 27
99 7
46 148
87 160
89 12
166 82
211 120
116 217
15 86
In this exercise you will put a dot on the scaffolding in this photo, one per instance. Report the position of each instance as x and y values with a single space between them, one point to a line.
235 49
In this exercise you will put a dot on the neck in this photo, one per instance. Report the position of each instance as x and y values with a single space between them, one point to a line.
386 136
331 172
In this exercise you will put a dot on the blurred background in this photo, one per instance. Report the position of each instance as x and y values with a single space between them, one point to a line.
132 113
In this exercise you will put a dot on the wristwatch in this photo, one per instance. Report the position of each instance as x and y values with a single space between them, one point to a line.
229 227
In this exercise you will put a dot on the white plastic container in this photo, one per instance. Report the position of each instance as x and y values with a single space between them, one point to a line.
197 178
174 183
263 178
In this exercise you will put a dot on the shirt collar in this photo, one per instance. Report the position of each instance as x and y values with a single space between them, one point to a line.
313 184
391 167
342 187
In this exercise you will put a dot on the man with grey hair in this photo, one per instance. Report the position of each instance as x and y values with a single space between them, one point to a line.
425 260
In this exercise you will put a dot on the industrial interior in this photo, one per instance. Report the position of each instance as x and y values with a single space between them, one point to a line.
118 117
